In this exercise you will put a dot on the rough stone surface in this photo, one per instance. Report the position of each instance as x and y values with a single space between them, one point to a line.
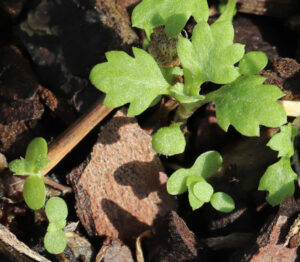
114 251
173 241
247 33
65 39
270 244
279 8
17 79
121 190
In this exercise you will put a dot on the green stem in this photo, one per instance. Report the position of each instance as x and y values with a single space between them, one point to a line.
184 111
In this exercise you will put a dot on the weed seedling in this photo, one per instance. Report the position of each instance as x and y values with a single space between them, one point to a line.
242 100
55 240
35 161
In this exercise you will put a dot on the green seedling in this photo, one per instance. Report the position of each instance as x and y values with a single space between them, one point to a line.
194 181
35 161
55 240
242 100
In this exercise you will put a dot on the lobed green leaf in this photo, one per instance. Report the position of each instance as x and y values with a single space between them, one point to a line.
55 242
163 140
125 79
247 103
222 202
173 14
253 62
20 167
210 56
283 142
56 209
34 192
279 181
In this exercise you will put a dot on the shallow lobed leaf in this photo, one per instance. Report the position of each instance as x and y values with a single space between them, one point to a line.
169 140
174 14
283 142
206 165
20 167
56 209
126 79
203 191
34 192
247 103
55 242
210 56
279 181
253 62
222 202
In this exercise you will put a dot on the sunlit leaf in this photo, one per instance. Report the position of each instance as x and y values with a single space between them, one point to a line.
247 103
34 192
126 79
279 181
174 14
222 202
163 140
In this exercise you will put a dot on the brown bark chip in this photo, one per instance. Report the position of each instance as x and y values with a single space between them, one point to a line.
274 241
122 189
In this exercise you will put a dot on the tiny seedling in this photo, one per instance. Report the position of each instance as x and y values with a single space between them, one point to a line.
35 161
193 180
55 240
242 100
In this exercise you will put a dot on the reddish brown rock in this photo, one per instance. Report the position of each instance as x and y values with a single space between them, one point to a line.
274 241
279 8
249 34
121 189
114 251
173 241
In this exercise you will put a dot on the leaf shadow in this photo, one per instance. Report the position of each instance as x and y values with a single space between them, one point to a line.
115 124
127 225
143 177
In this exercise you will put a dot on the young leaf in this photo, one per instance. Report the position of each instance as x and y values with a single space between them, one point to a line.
174 14
176 184
125 79
34 192
210 56
206 165
195 203
56 209
247 103
57 225
222 202
283 142
203 191
20 167
163 140
55 242
253 62
36 149
279 181
177 92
